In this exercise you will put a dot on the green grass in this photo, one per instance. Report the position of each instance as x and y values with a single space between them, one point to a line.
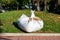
51 21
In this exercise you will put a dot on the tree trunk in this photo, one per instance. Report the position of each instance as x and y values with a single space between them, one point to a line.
58 2
17 7
45 5
38 8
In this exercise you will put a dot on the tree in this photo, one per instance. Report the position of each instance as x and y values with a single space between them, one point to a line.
8 3
22 3
38 5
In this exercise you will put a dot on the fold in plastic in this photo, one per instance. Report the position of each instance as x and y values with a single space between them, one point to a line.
28 25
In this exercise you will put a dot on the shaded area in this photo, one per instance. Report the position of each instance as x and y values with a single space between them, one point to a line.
53 6
1 27
1 23
4 39
1 30
57 10
16 25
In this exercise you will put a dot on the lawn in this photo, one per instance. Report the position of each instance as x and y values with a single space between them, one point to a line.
51 21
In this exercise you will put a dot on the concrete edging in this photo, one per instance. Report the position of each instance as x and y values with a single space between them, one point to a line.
29 34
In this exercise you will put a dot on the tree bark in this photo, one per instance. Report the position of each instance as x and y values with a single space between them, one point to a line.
38 8
45 5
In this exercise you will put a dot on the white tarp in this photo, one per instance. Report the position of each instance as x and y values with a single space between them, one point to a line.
30 25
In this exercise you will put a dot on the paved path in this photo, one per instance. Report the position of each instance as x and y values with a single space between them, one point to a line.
29 37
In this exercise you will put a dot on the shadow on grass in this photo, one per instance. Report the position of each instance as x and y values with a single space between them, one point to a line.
4 38
16 25
1 23
1 29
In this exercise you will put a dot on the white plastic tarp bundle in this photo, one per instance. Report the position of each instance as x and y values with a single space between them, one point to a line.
30 24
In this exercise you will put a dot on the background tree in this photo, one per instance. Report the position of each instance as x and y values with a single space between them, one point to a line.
9 4
38 8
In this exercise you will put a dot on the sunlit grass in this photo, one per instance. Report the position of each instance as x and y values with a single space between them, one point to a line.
51 21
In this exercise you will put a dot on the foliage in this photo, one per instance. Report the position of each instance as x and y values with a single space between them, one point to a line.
22 2
13 4
8 2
